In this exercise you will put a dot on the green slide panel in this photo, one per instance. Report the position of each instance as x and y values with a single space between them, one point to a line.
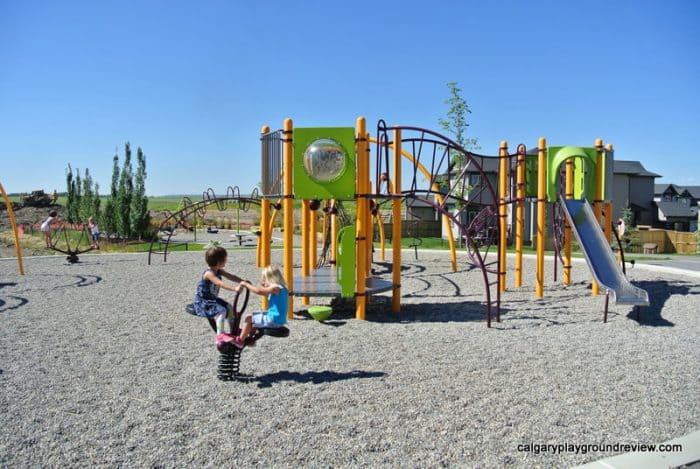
345 262
584 174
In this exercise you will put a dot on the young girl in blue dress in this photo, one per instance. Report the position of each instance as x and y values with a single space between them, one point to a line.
207 302
273 285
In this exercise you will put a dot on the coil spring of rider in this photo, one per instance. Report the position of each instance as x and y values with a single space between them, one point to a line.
229 364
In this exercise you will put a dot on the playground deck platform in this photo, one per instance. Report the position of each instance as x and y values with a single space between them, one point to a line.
322 282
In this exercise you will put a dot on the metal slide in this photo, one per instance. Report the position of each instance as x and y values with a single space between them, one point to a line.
601 259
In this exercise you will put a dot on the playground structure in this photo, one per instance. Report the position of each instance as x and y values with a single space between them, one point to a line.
326 167
333 165
317 164
181 217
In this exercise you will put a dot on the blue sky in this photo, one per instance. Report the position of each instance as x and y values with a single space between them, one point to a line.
192 83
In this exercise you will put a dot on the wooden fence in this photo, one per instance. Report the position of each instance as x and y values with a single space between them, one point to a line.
415 228
666 241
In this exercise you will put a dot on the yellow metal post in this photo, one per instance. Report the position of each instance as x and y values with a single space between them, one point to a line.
265 235
598 208
326 223
15 233
382 238
608 206
305 244
334 232
598 202
264 241
541 209
259 248
396 225
288 207
608 220
519 215
263 249
361 232
369 226
568 194
313 239
502 213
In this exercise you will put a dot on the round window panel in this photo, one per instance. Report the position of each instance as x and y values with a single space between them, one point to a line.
324 160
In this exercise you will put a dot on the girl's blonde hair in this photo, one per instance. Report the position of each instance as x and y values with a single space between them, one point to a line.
271 274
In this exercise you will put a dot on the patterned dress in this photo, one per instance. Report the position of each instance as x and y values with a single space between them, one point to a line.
206 300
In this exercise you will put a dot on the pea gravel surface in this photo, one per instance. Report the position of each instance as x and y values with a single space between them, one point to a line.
101 366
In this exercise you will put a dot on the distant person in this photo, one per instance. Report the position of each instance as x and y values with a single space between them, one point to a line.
94 233
54 197
46 227
272 285
207 302
621 227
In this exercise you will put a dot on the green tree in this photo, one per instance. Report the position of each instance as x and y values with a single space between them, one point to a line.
455 122
74 195
456 119
78 182
83 199
627 216
71 212
87 200
140 218
109 220
124 195
96 202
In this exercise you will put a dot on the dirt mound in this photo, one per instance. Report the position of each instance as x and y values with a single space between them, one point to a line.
27 215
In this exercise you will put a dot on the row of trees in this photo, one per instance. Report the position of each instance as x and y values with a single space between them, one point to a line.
125 213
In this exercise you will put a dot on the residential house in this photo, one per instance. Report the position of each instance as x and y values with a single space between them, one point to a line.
677 207
633 189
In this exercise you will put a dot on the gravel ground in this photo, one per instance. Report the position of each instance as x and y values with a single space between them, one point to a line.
100 366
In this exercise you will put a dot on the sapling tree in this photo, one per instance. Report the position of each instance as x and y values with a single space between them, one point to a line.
456 123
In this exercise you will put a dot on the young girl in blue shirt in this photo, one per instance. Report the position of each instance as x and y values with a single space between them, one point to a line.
273 285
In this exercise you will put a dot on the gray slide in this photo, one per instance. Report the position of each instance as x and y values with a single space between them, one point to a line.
600 258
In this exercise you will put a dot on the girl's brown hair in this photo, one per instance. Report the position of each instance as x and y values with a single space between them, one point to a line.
214 255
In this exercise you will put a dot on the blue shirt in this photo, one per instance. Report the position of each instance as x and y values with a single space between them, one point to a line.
278 304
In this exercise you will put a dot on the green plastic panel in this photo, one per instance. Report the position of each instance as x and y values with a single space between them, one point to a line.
584 171
340 187
530 175
345 261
